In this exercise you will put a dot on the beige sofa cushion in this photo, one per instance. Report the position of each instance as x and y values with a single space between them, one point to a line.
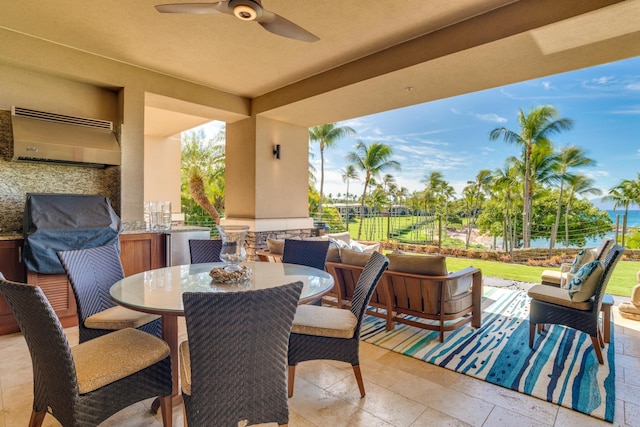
458 303
276 246
354 258
119 317
100 361
324 322
333 255
430 265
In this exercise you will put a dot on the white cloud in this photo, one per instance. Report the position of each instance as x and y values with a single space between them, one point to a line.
491 117
602 80
632 110
633 86
547 85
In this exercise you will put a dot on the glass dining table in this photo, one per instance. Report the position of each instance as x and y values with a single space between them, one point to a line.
160 291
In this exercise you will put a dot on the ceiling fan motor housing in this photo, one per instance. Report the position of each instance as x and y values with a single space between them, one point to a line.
247 10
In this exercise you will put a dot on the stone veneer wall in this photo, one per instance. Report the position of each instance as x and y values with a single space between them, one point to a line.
256 241
19 178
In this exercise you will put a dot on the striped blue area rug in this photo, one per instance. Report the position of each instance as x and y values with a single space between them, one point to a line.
563 369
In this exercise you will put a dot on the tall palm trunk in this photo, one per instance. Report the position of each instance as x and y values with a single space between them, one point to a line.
526 213
321 201
196 186
554 230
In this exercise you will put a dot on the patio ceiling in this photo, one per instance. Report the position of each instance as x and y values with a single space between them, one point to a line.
369 52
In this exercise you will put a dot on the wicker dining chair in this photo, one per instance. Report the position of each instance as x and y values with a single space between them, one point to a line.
91 273
312 253
205 250
86 384
551 305
332 333
233 366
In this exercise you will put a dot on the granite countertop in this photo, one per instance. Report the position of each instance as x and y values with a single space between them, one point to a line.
10 235
174 228
14 235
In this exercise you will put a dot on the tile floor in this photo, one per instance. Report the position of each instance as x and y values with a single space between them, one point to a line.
401 391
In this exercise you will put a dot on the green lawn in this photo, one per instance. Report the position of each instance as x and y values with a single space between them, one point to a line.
621 282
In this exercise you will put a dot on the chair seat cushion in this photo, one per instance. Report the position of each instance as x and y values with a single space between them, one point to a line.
551 276
114 356
324 321
185 367
557 296
458 303
119 317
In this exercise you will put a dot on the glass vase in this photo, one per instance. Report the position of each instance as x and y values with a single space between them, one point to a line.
233 252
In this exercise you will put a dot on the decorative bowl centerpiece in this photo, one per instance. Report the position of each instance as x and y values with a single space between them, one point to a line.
220 275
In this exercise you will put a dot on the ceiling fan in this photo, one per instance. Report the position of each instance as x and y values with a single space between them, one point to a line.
247 10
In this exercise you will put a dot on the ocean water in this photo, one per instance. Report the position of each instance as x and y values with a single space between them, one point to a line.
633 220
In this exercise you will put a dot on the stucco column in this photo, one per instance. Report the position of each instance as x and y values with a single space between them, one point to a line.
266 193
132 144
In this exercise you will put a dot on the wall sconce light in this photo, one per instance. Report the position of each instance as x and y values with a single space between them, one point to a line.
276 151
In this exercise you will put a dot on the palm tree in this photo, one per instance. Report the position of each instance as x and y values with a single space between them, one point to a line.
478 187
433 182
568 158
506 181
348 174
327 135
537 126
626 193
388 183
577 185
372 160
203 162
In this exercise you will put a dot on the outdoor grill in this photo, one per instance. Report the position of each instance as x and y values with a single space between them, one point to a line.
57 222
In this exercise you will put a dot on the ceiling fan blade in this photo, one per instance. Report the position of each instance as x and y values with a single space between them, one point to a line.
283 27
198 8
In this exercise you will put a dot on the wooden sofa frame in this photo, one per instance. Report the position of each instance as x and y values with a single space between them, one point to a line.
404 294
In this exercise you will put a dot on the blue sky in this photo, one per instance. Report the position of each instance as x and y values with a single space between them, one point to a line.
451 135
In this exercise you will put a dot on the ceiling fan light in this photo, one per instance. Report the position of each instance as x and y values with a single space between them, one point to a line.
244 12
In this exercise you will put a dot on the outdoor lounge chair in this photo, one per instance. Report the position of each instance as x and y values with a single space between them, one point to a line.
556 306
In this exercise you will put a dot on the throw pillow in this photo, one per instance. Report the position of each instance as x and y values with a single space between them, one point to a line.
431 265
583 257
583 284
354 258
344 236
339 243
276 246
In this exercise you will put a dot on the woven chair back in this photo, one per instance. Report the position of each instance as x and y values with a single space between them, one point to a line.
312 253
369 278
205 250
54 375
238 350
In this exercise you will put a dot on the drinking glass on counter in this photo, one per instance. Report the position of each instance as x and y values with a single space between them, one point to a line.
159 215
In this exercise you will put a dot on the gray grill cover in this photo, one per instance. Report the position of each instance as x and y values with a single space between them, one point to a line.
57 222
